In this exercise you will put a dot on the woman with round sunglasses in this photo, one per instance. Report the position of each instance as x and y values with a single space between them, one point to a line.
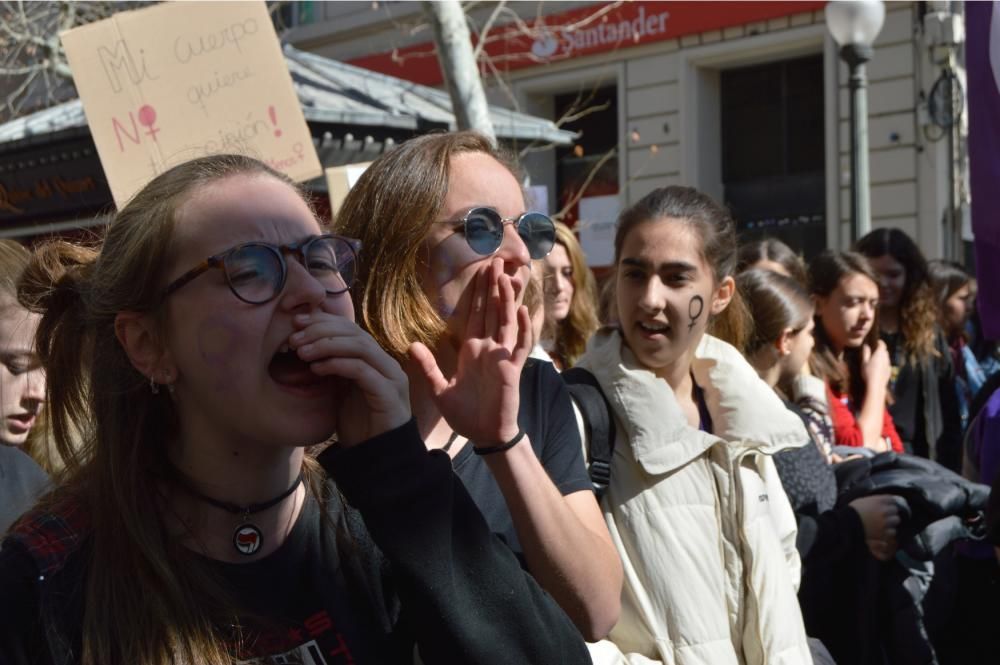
448 247
193 526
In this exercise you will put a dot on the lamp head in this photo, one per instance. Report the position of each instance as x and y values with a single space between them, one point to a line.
855 22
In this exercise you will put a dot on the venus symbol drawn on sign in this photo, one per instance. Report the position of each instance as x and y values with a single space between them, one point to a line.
147 118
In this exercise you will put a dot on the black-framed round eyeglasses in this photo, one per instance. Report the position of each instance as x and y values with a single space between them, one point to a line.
484 231
256 271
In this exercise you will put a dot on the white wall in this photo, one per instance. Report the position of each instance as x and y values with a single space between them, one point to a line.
671 105
669 112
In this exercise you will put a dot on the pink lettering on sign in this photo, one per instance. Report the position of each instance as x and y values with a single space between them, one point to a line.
274 120
147 118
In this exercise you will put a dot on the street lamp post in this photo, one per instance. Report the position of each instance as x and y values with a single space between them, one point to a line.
854 25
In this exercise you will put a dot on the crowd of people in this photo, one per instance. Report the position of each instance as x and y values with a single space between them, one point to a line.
234 432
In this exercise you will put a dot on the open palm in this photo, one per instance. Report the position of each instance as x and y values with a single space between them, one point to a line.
482 399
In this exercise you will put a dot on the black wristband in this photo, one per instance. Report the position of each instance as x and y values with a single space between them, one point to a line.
489 450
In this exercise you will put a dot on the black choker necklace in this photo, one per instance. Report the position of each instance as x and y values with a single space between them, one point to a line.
248 538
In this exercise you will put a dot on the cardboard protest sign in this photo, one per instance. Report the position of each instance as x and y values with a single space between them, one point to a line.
176 81
339 180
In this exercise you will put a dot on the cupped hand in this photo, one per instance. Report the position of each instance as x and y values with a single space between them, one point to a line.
881 517
482 399
378 395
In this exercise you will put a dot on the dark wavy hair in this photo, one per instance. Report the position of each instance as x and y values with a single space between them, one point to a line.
917 310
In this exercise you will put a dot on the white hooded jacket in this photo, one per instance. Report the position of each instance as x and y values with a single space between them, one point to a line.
702 524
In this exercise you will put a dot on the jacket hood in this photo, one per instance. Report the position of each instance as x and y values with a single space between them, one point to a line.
746 413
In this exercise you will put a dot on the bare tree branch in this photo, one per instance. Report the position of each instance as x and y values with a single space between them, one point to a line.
485 30
578 194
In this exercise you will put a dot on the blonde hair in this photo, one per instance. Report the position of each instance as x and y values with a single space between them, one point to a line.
147 599
571 334
390 209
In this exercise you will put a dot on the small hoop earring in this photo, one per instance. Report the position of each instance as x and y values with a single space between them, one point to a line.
153 386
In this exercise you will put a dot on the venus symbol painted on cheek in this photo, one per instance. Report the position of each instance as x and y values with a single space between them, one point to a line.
695 308
218 341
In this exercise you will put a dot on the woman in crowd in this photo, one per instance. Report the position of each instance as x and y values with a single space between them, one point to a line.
442 221
192 525
953 292
924 406
22 391
570 299
781 343
774 255
807 391
694 504
836 544
848 354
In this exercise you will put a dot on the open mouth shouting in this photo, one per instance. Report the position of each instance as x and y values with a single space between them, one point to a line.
293 375
653 329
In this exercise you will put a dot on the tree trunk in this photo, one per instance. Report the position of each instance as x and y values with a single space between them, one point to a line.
458 65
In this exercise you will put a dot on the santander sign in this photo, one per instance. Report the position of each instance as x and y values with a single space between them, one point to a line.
603 35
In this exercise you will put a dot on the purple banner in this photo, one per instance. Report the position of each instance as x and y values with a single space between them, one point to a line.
982 56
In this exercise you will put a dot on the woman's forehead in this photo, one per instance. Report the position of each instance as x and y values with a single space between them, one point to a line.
17 326
242 208
664 241
857 284
477 179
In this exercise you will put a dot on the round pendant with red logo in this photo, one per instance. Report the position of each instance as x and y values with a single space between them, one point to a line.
247 539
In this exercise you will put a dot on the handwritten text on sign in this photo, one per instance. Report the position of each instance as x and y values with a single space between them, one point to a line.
175 81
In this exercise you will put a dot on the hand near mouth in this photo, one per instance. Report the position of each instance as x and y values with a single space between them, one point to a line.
378 399
876 365
482 399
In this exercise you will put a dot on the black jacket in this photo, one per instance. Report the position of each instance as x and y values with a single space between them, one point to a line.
911 597
424 569
925 409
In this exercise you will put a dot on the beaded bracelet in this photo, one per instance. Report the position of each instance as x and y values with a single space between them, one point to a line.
489 450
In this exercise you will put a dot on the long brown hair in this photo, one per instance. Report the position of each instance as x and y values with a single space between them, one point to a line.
14 259
917 310
946 277
571 334
390 209
826 272
715 228
775 303
147 599
772 249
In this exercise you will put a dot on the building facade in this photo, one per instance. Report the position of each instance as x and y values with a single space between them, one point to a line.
746 101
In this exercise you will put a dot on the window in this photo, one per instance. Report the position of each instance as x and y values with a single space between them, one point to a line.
773 154
594 154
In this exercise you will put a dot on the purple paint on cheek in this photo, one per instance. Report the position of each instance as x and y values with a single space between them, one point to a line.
448 259
219 342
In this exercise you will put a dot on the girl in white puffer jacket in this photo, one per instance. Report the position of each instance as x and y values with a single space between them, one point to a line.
695 506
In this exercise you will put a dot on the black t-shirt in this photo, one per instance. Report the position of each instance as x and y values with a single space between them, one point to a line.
546 416
411 562
299 587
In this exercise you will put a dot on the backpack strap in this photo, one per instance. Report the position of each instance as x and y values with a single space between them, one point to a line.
598 421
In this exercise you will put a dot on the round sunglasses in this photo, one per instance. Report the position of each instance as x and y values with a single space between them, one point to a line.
256 271
483 228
